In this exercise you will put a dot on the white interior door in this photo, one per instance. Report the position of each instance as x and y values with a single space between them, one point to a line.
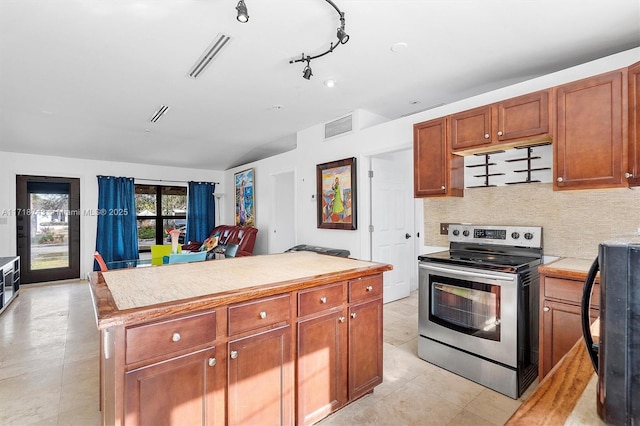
392 217
283 234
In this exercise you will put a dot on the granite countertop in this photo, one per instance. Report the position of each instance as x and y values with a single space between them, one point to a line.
128 295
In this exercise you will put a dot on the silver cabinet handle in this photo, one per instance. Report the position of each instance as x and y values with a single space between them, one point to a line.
628 175
499 132
546 309
369 288
233 354
486 135
176 337
341 319
560 179
323 300
353 315
443 187
212 362
263 315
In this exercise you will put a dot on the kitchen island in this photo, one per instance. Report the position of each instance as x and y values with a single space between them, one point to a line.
274 339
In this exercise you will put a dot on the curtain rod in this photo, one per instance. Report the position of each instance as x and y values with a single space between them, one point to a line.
165 180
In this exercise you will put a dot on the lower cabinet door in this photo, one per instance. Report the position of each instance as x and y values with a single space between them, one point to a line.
322 366
260 390
185 390
365 347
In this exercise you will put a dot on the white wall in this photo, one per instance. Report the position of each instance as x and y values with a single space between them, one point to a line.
312 149
86 170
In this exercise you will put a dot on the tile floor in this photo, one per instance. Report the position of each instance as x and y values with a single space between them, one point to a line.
49 369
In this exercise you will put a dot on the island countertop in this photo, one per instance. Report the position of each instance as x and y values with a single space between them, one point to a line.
127 296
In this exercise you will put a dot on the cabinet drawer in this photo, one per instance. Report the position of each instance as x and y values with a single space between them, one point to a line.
320 299
365 287
160 338
258 313
569 290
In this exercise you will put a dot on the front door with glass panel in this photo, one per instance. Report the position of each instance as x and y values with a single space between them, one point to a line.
48 228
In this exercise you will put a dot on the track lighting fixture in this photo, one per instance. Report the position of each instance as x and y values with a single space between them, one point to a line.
243 15
306 73
342 36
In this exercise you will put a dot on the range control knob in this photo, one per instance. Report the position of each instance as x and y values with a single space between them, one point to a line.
528 236
456 232
465 232
515 235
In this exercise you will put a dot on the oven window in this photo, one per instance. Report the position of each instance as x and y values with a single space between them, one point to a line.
465 306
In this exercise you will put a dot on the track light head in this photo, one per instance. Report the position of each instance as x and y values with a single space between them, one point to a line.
342 36
306 73
243 15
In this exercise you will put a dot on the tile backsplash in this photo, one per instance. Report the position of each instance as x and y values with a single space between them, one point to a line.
573 222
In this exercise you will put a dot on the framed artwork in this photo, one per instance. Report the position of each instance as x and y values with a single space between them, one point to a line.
336 194
245 196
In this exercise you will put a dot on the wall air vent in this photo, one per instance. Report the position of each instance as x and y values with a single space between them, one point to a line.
212 52
338 127
159 113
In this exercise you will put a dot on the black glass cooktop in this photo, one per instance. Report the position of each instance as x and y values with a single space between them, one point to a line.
482 260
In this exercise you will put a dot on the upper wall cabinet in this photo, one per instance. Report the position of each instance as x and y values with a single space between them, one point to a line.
436 172
634 125
590 150
525 118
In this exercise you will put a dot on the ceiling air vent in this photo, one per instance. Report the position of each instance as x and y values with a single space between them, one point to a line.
338 127
209 55
159 113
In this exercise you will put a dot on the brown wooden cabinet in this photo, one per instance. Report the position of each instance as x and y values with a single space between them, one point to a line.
436 172
590 148
522 118
365 347
633 172
184 390
560 318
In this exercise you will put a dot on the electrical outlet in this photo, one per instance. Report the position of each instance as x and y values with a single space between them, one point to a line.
444 229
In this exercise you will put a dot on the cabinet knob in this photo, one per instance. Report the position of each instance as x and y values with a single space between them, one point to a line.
353 315
369 288
499 132
486 135
323 300
443 187
263 315
560 179
175 337
628 175
546 309
212 362
341 319
233 354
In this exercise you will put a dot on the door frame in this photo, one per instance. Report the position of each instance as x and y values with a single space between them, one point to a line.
27 275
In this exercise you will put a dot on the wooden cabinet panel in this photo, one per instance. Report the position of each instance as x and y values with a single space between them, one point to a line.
365 288
436 172
633 171
365 347
561 328
524 118
257 314
167 337
183 390
260 379
569 290
471 128
589 150
321 299
322 366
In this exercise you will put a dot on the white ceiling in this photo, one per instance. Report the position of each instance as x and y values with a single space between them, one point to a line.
81 78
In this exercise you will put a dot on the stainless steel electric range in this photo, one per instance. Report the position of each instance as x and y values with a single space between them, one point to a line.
478 305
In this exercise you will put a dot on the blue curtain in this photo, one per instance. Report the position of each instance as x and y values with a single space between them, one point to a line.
117 236
201 210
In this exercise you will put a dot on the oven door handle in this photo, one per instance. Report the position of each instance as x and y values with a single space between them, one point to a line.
463 273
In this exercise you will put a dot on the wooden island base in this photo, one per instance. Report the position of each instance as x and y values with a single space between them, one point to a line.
280 339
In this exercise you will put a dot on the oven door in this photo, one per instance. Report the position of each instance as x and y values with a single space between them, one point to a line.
469 309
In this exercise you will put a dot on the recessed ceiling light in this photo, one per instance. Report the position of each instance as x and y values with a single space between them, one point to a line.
399 47
330 83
